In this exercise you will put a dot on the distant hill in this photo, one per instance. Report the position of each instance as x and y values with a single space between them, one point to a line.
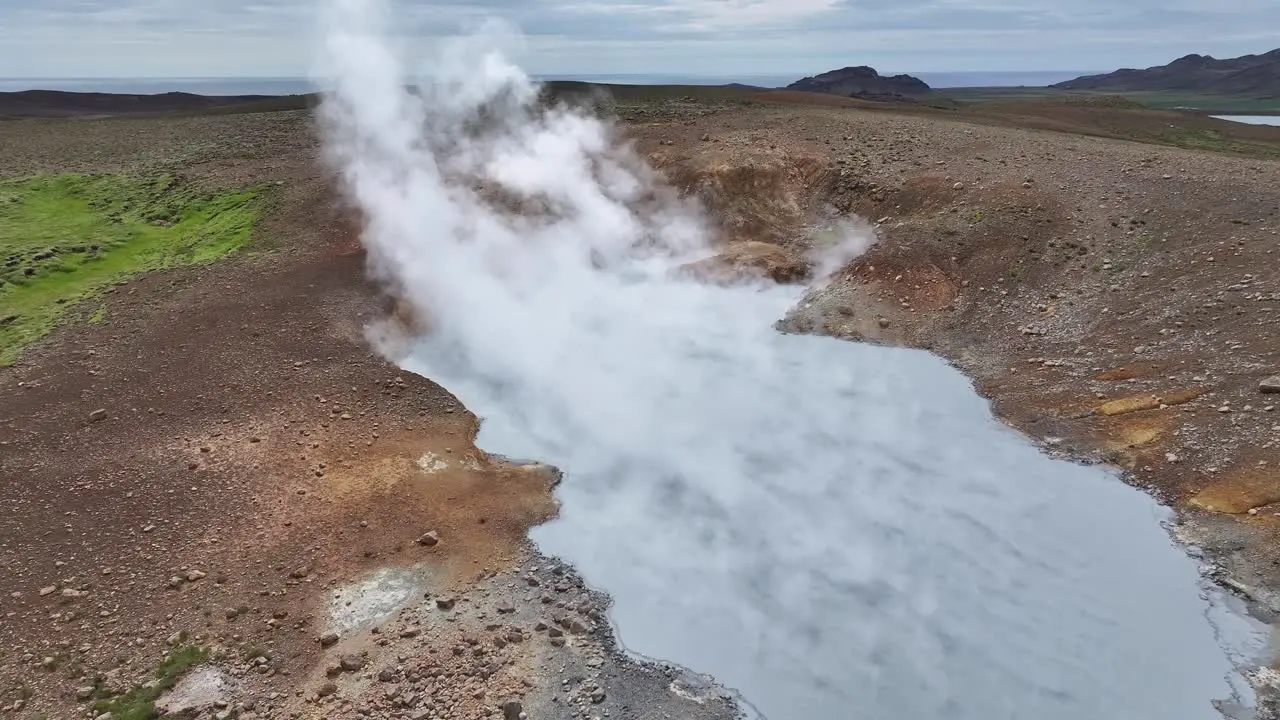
56 103
863 82
1251 75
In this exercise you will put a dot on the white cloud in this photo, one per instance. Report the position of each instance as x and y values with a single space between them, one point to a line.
689 37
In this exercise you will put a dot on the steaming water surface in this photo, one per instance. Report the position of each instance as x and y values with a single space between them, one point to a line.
843 531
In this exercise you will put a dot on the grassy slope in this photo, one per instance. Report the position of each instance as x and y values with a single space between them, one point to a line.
1166 100
67 238
140 703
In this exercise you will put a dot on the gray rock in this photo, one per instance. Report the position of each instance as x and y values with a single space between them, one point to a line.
351 663
328 639
1270 385
430 539
445 603
84 693
597 696
327 689
511 709
98 415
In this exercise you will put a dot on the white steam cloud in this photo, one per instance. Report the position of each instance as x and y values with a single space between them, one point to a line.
837 530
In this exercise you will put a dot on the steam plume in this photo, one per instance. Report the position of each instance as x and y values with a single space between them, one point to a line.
841 531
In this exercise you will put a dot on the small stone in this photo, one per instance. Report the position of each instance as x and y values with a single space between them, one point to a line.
597 696
506 608
445 603
84 693
351 663
328 639
883 322
1270 385
48 590
958 186
555 632
195 575
430 539
511 709
327 689
73 593
387 675
98 415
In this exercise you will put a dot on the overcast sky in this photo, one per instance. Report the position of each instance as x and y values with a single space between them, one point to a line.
251 38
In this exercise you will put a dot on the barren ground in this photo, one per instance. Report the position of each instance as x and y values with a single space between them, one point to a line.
1116 300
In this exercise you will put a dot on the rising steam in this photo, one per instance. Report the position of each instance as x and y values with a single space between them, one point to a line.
840 531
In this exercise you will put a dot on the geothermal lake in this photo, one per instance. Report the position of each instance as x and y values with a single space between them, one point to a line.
843 531
1252 119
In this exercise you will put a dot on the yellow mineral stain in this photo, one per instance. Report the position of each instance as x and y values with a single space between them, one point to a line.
1239 491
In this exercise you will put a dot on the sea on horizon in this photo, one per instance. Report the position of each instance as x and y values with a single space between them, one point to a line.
295 85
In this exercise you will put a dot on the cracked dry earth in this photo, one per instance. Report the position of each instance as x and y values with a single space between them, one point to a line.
261 485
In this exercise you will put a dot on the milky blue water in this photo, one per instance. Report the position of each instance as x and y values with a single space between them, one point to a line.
1252 119
844 531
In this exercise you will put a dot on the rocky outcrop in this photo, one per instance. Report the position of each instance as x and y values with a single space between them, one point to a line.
863 82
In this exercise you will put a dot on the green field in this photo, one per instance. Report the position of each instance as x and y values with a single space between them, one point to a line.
1163 100
68 238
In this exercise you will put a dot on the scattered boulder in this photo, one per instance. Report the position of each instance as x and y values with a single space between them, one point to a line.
1270 385
98 415
328 639
351 663
511 709
430 539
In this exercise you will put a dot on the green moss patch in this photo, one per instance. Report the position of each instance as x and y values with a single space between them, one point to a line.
67 238
140 703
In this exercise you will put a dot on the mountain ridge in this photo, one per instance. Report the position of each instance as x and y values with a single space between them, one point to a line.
1255 75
